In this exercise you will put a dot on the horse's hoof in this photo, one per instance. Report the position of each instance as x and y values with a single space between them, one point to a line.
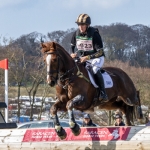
76 130
63 137
62 133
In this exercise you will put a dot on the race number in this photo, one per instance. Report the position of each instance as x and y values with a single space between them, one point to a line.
84 44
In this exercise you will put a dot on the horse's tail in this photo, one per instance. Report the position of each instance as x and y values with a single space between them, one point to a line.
131 114
135 112
139 109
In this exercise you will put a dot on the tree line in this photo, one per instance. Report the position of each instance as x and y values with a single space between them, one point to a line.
121 42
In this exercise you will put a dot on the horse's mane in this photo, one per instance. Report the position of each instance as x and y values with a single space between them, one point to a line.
64 55
60 48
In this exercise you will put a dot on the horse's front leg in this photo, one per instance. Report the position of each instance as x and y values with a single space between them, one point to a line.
58 128
73 125
70 105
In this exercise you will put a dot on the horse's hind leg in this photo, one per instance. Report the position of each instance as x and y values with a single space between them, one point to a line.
128 112
125 100
127 120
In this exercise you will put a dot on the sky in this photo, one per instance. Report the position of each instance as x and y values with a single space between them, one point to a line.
20 17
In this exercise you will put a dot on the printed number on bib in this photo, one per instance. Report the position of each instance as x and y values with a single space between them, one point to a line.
85 45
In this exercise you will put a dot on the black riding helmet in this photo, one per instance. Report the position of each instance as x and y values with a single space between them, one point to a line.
83 19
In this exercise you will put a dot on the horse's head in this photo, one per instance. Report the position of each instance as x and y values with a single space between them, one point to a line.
52 61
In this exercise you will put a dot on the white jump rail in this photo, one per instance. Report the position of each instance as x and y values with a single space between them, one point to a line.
138 138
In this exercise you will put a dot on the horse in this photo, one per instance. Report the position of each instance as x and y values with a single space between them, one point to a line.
74 89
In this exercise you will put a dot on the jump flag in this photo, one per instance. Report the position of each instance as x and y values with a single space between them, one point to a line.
4 65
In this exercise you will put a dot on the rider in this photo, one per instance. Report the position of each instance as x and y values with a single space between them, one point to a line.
88 41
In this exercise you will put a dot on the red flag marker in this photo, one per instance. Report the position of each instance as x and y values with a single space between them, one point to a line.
4 64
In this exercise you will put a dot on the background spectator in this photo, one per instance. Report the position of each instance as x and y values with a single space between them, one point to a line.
118 120
87 121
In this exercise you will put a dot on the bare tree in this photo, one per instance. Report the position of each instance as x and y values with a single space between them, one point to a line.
46 90
17 69
36 77
56 36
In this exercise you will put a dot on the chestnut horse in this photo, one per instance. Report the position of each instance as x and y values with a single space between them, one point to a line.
74 89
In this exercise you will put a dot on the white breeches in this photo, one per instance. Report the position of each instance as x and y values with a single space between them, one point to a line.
96 63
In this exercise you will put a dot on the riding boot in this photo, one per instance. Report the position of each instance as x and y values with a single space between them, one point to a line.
100 82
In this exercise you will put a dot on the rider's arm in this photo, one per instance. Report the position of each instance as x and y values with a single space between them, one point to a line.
98 46
73 42
98 54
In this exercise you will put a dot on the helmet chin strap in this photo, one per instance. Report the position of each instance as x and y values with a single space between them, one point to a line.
87 27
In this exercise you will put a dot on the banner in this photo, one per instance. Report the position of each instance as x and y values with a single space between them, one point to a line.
87 134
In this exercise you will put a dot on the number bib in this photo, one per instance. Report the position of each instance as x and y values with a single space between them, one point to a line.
84 43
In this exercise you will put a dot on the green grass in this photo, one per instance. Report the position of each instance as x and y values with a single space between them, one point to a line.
13 91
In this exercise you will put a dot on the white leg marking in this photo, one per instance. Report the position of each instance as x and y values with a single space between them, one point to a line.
48 61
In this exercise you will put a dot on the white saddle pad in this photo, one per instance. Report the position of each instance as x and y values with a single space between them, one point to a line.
107 80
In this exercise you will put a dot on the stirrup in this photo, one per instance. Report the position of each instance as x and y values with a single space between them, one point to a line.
103 97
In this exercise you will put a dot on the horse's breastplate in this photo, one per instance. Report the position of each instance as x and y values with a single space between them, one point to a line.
84 43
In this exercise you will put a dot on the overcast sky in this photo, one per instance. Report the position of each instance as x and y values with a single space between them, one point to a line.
19 17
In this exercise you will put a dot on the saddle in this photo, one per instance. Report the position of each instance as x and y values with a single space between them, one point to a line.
89 68
107 79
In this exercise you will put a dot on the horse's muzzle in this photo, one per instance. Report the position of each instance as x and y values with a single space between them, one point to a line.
51 80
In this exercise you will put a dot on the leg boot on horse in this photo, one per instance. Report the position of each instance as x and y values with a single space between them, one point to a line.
73 125
100 81
59 129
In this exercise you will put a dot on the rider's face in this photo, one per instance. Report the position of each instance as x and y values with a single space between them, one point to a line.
82 27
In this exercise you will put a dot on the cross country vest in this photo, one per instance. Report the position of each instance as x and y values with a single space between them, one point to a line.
85 43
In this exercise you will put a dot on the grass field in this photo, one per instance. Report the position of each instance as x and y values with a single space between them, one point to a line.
13 91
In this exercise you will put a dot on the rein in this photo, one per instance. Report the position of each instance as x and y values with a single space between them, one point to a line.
80 74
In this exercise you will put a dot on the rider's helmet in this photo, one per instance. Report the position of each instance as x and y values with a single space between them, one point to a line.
83 19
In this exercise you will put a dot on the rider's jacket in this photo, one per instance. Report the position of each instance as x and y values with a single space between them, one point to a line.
90 124
120 124
89 43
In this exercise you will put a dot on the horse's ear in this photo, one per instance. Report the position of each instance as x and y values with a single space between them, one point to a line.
43 45
54 45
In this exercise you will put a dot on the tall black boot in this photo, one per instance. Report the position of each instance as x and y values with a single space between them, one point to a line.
100 82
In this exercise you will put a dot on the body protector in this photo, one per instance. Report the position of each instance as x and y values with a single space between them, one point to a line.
85 45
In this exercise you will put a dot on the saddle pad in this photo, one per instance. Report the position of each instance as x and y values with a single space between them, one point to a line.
107 80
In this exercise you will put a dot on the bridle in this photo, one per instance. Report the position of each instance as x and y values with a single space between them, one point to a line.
67 75
61 76
52 71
